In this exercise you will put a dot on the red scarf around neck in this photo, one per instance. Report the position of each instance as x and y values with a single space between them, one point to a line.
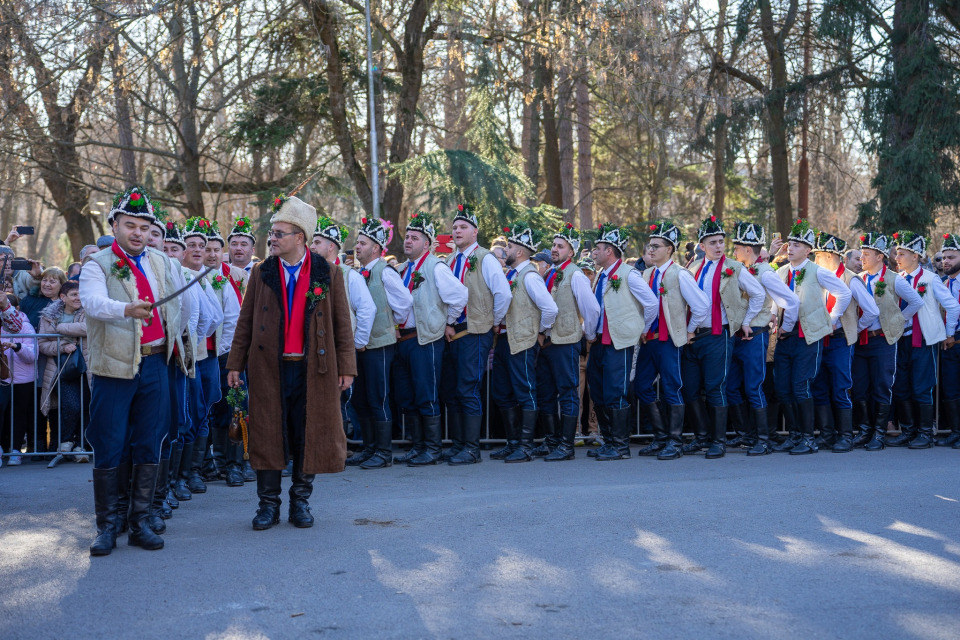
225 269
153 331
716 318
293 321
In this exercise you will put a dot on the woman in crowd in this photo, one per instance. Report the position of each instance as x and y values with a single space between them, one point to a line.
65 318
16 387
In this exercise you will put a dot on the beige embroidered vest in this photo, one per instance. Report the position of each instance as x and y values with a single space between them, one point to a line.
568 327
523 316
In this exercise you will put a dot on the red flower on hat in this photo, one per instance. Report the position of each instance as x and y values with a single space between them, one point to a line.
863 238
413 216
459 207
896 235
169 225
653 227
713 218
363 220
946 235
506 229
799 221
240 223
276 202
569 226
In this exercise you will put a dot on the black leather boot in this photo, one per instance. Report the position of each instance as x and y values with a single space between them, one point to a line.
880 414
924 439
414 428
105 496
528 429
718 421
155 511
619 436
214 465
950 420
430 440
908 428
511 425
674 446
549 423
194 480
470 453
176 449
180 488
655 418
844 441
699 423
774 421
268 490
233 469
300 491
762 447
737 414
249 475
455 433
603 424
383 456
808 443
823 422
794 436
124 484
565 448
864 424
141 495
369 444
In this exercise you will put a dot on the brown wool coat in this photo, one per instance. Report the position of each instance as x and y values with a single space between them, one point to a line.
330 353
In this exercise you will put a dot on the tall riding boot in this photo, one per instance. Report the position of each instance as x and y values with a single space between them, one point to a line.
619 436
924 439
718 420
844 421
268 490
430 443
774 420
565 448
155 511
105 496
737 414
455 431
141 495
674 446
528 429
699 423
233 471
124 482
414 428
214 464
794 436
369 444
470 454
762 447
300 491
908 428
603 424
383 457
881 413
549 423
823 422
194 480
660 437
511 425
180 489
864 424
176 451
950 419
807 444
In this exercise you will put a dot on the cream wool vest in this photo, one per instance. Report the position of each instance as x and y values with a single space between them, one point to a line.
428 309
383 332
735 301
766 311
115 345
568 327
623 312
675 306
814 319
219 332
891 319
199 342
850 318
930 314
523 316
479 296
345 270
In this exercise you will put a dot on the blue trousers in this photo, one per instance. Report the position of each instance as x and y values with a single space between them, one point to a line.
833 382
173 432
464 363
916 371
183 417
704 367
514 376
558 379
661 358
795 367
203 391
874 368
950 373
130 415
608 374
416 376
371 388
748 370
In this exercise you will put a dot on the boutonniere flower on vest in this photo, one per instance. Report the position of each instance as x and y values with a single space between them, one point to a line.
417 279
752 270
615 283
558 278
218 282
317 292
120 270
663 290
513 285
922 289
727 273
798 280
366 275
471 263
880 288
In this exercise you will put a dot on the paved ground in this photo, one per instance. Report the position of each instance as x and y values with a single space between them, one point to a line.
826 546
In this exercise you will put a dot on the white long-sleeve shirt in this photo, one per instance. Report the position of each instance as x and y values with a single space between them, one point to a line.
747 284
493 277
953 286
398 296
210 313
640 290
783 298
829 281
452 293
537 290
586 301
363 307
900 287
943 296
231 312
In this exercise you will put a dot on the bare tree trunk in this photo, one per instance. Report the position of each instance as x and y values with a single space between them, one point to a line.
530 132
454 91
584 151
803 178
551 144
720 136
565 139
128 162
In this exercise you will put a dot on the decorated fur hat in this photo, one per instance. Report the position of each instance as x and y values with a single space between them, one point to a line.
750 234
523 233
244 229
160 217
331 230
874 240
830 243
173 232
571 235
213 233
132 202
710 227
423 222
294 211
587 264
465 212
196 227
373 228
801 232
666 231
613 235
950 242
911 242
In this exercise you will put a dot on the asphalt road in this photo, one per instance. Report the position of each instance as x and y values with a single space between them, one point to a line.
827 546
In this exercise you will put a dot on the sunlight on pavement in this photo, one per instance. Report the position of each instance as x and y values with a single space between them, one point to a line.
661 552
794 550
917 531
930 626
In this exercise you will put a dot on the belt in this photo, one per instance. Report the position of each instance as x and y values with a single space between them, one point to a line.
461 330
406 334
292 358
791 334
875 333
838 333
754 330
956 336
152 351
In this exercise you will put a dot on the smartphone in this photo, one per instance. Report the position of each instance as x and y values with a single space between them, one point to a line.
349 252
25 231
21 264
777 235
444 240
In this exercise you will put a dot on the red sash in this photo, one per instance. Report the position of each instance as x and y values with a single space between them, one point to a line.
225 269
605 338
864 337
153 331
662 329
917 336
716 318
293 321
553 276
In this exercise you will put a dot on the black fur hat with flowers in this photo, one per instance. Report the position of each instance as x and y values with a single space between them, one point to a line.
423 222
133 202
710 227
